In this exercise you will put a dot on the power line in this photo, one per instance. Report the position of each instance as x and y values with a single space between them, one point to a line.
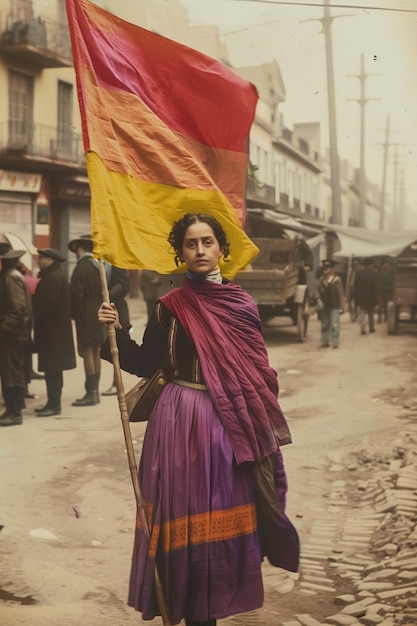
332 6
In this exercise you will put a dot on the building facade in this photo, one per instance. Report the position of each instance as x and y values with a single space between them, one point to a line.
44 192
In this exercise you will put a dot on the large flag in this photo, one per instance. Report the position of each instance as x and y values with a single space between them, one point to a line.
165 130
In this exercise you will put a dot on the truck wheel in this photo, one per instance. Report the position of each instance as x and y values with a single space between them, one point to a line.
392 321
265 313
302 315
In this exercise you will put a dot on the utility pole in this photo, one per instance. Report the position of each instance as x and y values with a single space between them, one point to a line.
395 191
384 176
362 171
326 22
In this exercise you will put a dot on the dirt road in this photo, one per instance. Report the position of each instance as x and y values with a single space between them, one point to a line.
67 503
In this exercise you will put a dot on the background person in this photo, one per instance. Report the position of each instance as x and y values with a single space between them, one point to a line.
384 289
330 290
53 338
150 283
366 295
118 284
217 416
86 297
15 334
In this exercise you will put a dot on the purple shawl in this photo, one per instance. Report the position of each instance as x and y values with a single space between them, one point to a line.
223 323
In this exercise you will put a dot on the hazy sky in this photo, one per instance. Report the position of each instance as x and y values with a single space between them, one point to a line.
257 31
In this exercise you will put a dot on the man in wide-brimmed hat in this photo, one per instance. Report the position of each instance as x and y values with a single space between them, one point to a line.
53 339
15 333
330 290
86 298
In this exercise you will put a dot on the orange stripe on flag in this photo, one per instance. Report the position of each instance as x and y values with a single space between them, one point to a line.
165 156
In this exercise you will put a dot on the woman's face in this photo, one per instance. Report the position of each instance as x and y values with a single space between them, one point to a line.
201 251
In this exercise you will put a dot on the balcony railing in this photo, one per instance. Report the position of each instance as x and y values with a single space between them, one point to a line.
260 193
36 42
41 141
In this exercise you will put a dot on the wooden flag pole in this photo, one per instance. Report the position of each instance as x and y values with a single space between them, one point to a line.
140 509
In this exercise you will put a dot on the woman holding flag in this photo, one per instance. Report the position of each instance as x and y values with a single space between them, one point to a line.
215 423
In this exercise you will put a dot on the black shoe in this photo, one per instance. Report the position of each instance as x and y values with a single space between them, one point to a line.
6 414
112 391
90 399
11 419
39 409
30 396
48 412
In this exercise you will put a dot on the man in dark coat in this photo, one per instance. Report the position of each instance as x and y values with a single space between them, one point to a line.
118 284
15 333
86 299
53 339
365 295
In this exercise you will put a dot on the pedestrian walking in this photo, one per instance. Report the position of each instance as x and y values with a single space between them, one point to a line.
365 294
384 289
86 296
53 338
330 290
118 284
216 419
15 335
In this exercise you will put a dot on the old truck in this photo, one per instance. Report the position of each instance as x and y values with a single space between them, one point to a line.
403 307
276 280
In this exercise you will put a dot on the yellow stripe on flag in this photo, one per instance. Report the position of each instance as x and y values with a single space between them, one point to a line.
136 217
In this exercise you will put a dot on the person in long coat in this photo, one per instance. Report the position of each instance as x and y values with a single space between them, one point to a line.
15 333
365 294
86 298
118 284
53 338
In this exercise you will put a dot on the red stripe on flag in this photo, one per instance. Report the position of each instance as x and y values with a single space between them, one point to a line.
190 92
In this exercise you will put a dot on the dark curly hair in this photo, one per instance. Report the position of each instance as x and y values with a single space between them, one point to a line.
177 234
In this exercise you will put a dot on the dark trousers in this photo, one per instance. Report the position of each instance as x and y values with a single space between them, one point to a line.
14 399
54 382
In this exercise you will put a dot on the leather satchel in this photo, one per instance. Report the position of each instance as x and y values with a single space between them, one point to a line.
142 397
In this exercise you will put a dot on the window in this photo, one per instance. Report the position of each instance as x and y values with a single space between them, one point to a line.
20 111
277 182
65 108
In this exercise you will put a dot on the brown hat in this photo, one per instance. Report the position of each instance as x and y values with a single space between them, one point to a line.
85 241
52 253
12 254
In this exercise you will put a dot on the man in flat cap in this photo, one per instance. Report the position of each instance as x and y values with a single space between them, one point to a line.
86 299
15 333
53 339
330 289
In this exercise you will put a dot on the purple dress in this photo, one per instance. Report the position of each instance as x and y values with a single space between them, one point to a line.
200 504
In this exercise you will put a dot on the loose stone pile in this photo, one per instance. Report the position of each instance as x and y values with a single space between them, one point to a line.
373 553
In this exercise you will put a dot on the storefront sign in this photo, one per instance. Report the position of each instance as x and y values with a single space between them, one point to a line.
20 182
